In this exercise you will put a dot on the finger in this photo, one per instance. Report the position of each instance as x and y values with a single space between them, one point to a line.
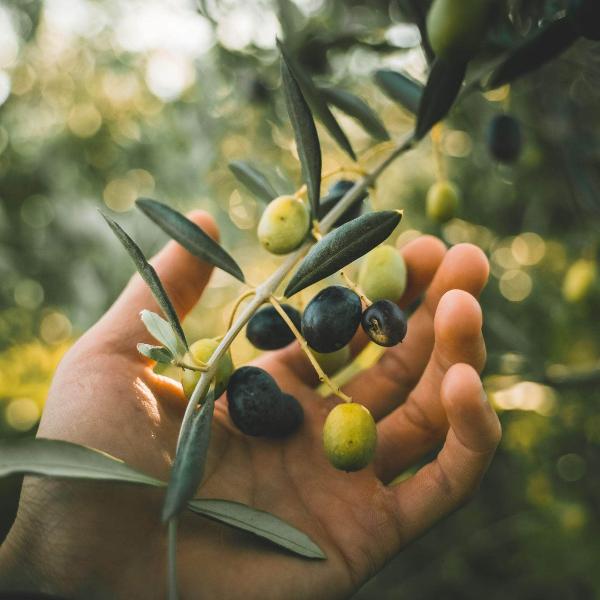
387 384
184 277
422 256
453 477
420 423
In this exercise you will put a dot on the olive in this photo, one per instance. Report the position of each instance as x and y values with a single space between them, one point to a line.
579 280
257 406
382 274
349 437
268 331
334 195
443 200
331 318
332 362
456 28
585 17
199 354
283 225
504 138
385 323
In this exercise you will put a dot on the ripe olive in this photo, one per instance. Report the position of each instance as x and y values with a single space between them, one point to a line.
585 17
443 200
349 437
268 331
283 225
455 28
332 362
504 138
385 323
331 318
334 195
579 280
199 353
257 406
382 274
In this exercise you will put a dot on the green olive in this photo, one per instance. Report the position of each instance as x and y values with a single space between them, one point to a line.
349 437
579 280
284 225
455 28
382 274
199 354
332 362
443 200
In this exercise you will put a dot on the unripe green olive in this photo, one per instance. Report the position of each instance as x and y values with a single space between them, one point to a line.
332 362
199 354
455 28
579 280
382 274
443 200
283 225
349 437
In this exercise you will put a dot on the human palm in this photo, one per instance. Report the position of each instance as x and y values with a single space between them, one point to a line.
111 543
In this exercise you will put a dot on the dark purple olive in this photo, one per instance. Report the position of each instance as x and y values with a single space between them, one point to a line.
504 138
385 323
268 331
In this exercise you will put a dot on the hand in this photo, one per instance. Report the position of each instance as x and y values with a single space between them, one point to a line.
99 540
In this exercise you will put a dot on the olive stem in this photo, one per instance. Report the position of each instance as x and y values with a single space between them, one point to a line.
355 288
202 368
313 361
237 305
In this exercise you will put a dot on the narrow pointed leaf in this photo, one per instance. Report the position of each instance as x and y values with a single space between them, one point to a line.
540 48
400 88
358 109
188 468
161 331
317 103
260 523
442 89
189 235
56 458
342 246
305 132
149 275
159 354
253 179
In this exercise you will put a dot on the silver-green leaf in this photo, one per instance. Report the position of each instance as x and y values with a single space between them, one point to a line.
159 354
253 179
260 523
57 458
149 275
189 235
400 88
342 246
162 331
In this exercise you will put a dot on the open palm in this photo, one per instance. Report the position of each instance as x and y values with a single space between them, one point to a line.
103 540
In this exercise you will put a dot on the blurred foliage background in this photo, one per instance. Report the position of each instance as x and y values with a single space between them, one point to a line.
101 102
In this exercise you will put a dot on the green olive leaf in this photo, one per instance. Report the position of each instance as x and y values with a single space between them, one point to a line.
342 246
253 179
317 103
260 523
442 89
305 132
188 467
358 109
162 331
57 458
399 87
540 48
160 354
149 275
189 235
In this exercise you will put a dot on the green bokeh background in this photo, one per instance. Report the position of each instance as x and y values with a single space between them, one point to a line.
106 101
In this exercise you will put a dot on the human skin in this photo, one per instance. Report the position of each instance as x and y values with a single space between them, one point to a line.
103 540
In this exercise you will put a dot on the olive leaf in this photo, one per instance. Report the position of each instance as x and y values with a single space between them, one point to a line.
358 109
342 246
258 522
188 467
400 88
253 179
161 330
189 235
441 90
57 458
160 354
305 132
317 103
149 275
540 48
